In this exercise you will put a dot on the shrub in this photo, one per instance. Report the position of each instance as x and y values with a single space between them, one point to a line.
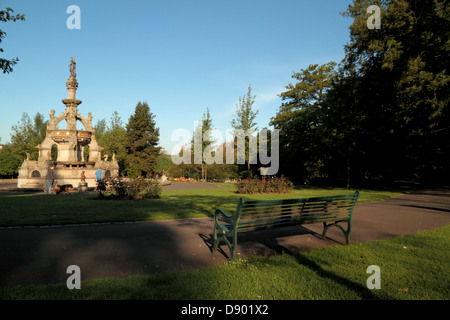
138 188
267 185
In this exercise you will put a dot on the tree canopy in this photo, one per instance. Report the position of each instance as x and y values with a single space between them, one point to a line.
142 141
380 115
5 16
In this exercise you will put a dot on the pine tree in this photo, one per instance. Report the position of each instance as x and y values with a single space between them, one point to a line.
142 142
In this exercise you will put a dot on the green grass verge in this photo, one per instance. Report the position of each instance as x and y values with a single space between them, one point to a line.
413 267
40 210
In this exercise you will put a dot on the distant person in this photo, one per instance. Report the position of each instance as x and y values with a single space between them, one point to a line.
99 175
51 179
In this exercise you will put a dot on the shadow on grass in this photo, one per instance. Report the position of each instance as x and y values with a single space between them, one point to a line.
268 238
42 210
359 289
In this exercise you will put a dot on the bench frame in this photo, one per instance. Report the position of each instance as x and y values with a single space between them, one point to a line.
252 215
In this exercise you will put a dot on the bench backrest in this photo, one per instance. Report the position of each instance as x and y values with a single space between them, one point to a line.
263 214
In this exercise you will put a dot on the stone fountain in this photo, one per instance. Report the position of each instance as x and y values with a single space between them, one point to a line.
71 167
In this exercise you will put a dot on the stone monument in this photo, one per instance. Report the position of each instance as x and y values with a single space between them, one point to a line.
71 167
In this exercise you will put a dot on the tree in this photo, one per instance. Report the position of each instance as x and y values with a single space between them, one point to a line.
142 142
9 162
244 123
100 130
5 16
112 138
164 163
203 133
384 113
301 122
402 79
27 135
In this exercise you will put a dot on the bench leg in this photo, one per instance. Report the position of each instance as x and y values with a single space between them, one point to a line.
231 244
216 241
346 232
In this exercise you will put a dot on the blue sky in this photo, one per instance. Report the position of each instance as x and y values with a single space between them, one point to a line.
181 57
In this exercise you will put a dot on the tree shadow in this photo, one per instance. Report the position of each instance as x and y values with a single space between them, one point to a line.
34 256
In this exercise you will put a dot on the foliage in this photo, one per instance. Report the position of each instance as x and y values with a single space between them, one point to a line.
400 77
382 114
27 134
244 123
142 138
5 16
112 138
9 162
203 133
266 185
138 188
164 162
301 121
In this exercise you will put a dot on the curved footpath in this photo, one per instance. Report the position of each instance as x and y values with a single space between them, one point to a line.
33 255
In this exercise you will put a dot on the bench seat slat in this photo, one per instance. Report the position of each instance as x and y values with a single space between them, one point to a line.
294 212
251 210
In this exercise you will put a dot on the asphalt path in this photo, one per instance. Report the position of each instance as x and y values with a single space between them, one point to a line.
38 255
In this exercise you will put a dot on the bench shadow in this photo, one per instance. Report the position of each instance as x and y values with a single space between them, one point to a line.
209 242
273 244
265 238
361 290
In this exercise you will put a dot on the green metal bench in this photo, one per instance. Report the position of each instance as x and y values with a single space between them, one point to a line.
252 215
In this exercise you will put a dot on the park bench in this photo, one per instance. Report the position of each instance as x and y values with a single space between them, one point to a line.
252 215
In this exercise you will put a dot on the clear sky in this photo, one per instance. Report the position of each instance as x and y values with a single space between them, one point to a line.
181 57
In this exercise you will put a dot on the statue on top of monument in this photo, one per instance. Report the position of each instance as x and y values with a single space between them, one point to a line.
72 67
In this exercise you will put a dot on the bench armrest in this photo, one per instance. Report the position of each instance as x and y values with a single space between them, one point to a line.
221 212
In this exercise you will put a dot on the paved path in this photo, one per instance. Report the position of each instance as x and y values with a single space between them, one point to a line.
42 255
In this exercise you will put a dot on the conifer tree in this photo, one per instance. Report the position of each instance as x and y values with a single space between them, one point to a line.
142 142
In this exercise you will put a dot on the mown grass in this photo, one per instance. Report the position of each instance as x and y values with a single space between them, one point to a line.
413 267
79 208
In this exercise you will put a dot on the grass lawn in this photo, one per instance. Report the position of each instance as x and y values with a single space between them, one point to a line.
413 267
23 209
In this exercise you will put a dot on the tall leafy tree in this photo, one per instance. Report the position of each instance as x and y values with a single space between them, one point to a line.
244 123
27 134
403 85
142 141
5 16
384 114
9 162
203 133
113 140
300 120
